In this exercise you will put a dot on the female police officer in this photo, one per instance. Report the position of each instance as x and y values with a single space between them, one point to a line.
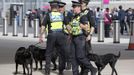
78 40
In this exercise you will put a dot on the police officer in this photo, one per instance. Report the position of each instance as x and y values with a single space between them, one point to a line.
67 16
78 24
89 27
91 22
54 21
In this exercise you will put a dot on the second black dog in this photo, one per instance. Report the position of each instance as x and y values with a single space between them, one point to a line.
102 60
39 56
24 58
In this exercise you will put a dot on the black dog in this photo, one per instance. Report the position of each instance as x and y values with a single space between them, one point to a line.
39 56
24 58
102 60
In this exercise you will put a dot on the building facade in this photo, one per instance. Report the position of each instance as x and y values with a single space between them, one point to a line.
32 4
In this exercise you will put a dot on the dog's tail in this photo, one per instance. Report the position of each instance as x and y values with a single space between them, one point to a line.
119 54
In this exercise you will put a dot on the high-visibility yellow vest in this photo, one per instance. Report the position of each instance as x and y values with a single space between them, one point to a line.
85 13
56 19
76 30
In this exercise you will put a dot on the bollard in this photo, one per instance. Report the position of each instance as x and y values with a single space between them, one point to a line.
36 27
116 38
15 26
132 27
5 27
25 26
101 31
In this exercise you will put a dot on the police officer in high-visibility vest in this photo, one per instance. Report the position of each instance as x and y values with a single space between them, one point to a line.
54 20
78 24
91 22
85 11
67 33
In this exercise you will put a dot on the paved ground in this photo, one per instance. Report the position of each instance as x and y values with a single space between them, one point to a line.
9 44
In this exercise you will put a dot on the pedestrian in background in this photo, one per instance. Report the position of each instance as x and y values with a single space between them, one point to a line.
97 18
107 22
121 17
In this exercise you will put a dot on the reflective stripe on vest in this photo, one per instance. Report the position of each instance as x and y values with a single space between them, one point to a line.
56 20
76 30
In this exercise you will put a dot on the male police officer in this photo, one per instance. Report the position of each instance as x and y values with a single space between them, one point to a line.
85 11
91 22
78 40
54 21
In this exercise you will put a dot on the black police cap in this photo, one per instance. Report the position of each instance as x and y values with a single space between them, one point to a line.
85 1
53 3
76 3
62 4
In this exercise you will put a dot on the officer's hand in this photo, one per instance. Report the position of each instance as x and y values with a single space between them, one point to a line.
88 38
40 40
68 27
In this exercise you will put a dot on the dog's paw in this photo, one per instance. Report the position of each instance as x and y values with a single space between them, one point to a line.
35 69
40 68
15 73
99 74
24 73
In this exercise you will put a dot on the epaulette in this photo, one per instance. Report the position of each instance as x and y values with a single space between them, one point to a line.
85 12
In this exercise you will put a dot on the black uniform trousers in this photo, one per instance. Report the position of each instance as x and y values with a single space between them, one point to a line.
88 47
122 25
65 60
68 52
78 54
56 39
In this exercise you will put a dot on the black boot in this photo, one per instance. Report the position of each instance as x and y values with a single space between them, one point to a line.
93 71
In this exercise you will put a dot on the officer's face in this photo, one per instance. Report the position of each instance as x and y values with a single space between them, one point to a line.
83 4
76 9
61 9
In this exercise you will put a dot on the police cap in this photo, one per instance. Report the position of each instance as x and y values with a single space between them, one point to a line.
76 3
61 4
53 3
85 1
